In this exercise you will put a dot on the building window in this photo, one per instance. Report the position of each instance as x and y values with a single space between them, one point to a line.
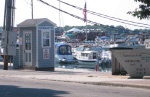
46 38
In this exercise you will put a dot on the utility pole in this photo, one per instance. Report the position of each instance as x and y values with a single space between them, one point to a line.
32 8
7 26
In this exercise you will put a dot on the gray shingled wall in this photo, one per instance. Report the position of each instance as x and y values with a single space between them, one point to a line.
46 62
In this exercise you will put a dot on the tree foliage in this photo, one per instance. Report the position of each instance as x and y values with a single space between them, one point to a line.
108 30
143 12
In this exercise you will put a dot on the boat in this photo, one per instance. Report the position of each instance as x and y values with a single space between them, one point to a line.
63 54
80 48
129 42
77 50
87 55
87 59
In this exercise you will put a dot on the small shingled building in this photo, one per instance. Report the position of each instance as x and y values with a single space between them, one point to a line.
36 45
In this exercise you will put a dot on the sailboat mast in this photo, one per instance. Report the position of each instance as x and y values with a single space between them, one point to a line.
86 31
59 15
86 20
59 19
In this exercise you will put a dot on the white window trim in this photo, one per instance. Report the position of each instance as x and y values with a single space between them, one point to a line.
42 31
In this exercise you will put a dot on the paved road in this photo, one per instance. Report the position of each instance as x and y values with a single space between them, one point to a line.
21 87
79 76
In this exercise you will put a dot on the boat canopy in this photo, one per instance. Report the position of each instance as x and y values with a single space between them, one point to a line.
63 49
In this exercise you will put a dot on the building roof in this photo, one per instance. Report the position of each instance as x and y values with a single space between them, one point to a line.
33 22
75 30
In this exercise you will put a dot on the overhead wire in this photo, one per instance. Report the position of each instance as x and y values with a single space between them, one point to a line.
68 13
103 16
27 3
89 21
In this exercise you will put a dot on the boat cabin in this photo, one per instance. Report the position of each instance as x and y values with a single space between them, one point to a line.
63 49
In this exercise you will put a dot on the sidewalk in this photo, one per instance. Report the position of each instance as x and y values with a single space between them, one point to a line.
79 76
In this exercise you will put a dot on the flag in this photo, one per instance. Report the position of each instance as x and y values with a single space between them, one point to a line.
84 12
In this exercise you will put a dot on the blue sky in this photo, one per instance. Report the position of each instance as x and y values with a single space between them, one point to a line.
114 8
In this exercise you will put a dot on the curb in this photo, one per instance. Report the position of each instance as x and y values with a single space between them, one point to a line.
118 85
101 83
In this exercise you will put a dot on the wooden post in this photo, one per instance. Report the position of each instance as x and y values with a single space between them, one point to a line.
7 27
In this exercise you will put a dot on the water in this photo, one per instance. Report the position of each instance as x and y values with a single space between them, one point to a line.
101 67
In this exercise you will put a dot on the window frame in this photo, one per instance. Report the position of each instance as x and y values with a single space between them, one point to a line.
42 38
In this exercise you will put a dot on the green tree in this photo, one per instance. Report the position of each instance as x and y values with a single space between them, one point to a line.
143 12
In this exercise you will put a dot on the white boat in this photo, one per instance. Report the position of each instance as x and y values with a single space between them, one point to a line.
87 59
79 49
63 54
130 42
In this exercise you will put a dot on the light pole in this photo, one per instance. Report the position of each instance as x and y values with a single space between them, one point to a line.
32 8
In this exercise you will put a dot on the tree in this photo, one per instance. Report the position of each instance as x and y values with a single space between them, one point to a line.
143 12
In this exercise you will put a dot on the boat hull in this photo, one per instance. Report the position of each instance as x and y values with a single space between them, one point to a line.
90 62
65 59
68 61
87 63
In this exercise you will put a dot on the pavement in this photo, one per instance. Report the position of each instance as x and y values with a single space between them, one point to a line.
82 76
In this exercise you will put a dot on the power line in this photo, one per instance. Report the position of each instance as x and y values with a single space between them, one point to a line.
68 13
89 21
27 3
104 16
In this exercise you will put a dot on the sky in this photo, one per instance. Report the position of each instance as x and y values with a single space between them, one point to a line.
113 8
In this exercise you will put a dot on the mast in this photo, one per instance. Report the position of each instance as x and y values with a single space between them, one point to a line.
85 19
86 31
59 18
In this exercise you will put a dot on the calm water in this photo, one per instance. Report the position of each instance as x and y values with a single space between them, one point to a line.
102 67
